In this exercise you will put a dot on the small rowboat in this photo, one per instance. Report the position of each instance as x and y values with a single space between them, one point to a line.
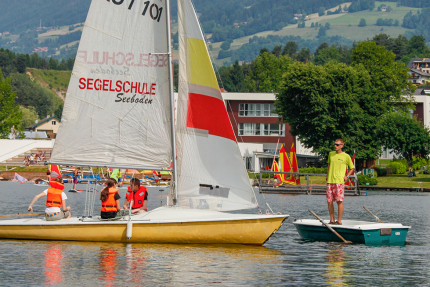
362 232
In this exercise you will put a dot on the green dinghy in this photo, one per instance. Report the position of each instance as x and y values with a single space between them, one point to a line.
361 232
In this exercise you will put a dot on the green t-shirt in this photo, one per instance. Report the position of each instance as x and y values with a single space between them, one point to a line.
338 163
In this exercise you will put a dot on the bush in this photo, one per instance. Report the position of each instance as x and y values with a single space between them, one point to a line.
426 171
313 170
381 171
418 163
364 179
397 167
373 181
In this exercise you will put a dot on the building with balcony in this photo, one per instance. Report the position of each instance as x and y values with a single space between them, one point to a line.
259 130
419 70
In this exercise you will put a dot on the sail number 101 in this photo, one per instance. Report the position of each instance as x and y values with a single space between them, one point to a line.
154 11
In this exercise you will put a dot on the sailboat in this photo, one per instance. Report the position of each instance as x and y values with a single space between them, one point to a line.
119 113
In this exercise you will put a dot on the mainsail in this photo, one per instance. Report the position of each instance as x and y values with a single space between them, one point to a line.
117 105
211 173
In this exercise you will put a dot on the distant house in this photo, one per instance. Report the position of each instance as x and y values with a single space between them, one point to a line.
384 8
419 70
49 125
40 49
5 33
297 16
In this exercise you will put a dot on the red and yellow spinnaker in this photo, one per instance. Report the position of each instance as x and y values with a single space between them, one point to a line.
294 163
286 166
278 176
54 170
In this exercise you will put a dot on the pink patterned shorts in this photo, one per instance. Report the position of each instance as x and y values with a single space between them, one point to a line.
335 192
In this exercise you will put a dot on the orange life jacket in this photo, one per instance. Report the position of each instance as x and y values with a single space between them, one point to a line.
54 198
138 196
109 204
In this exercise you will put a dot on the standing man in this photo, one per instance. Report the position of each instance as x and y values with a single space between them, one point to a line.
337 162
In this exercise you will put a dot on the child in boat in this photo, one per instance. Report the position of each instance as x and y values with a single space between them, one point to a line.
139 194
55 199
109 197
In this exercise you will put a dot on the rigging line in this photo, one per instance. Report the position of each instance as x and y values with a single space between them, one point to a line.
86 25
85 101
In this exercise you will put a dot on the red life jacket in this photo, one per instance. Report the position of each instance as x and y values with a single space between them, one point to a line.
138 196
109 204
54 198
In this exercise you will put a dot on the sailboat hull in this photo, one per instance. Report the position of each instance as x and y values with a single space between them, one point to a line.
152 228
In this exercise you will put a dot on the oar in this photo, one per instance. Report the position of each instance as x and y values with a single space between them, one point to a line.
329 227
27 214
377 218
380 221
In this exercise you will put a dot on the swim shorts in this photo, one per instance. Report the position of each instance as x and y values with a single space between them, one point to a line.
335 192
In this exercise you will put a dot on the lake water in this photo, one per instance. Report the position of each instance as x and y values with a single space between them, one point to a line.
284 260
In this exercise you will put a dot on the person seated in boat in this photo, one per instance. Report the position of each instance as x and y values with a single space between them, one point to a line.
109 197
139 194
55 200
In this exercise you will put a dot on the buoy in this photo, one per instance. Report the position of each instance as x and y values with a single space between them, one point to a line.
129 229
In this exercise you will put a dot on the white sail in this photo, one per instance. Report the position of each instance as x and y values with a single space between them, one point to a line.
211 173
116 111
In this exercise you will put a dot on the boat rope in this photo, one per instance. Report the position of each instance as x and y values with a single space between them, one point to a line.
86 200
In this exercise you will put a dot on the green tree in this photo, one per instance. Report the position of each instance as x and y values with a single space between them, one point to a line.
389 79
277 50
29 116
9 112
290 49
59 111
304 55
267 73
405 135
225 45
321 103
21 63
321 32
362 23
321 11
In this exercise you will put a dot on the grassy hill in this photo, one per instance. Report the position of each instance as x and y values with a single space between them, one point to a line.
344 24
55 81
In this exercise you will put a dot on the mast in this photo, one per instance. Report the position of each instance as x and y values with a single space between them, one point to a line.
172 104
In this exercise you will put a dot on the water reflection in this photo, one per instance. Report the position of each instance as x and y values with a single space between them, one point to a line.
136 262
53 259
108 265
335 271
111 264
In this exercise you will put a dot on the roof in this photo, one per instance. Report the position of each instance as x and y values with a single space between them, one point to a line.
248 96
35 125
421 60
420 72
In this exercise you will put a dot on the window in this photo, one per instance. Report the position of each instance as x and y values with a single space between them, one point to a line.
54 123
257 129
257 110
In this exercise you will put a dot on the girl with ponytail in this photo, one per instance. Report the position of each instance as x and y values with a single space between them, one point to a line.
109 197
